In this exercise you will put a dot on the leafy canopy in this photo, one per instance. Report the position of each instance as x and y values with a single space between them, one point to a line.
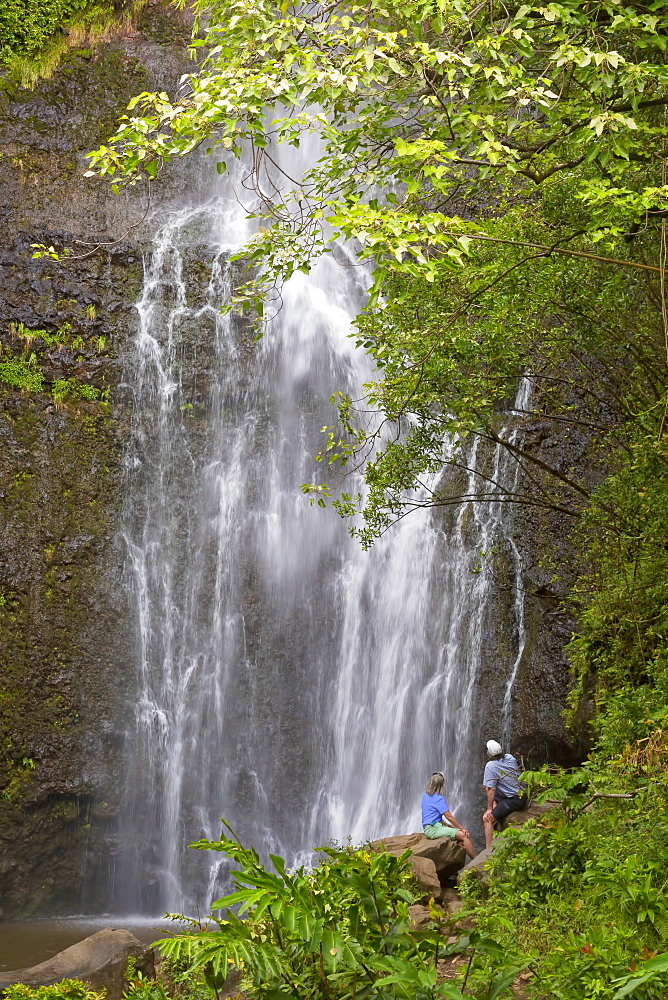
423 102
460 143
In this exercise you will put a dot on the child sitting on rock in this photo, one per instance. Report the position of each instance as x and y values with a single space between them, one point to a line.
435 809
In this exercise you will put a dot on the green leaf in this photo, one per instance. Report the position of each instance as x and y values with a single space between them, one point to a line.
651 969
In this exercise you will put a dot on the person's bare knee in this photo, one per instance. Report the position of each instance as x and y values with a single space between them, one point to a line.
466 843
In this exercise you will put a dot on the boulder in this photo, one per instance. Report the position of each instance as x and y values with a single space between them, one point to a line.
99 960
533 811
453 906
447 855
477 864
418 916
426 876
449 896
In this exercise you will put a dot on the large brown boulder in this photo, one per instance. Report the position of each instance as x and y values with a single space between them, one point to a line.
443 857
426 876
100 960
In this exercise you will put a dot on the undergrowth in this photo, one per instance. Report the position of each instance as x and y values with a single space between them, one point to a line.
66 989
583 892
620 652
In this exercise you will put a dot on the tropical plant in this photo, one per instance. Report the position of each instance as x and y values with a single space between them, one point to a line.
339 930
22 373
73 388
66 989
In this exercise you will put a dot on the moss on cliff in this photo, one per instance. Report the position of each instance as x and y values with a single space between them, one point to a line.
59 481
66 657
35 35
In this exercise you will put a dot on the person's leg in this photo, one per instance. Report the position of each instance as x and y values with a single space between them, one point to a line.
466 844
434 831
504 807
488 823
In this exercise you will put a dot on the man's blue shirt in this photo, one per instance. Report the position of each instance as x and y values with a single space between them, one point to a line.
433 807
502 775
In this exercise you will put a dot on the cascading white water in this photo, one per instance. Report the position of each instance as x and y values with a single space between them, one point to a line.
288 681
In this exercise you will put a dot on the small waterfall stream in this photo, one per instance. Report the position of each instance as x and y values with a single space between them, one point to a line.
287 680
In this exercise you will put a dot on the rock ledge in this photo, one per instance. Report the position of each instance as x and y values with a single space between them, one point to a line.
99 960
434 862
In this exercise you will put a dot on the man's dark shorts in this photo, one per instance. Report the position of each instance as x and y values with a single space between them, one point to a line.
505 806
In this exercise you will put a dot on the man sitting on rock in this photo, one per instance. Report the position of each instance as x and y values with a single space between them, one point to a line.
435 809
505 794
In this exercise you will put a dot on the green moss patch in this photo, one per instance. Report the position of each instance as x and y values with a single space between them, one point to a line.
36 34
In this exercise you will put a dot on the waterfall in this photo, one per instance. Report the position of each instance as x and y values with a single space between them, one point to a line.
286 680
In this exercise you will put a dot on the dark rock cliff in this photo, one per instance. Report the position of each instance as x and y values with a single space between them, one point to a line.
543 537
66 645
531 567
66 662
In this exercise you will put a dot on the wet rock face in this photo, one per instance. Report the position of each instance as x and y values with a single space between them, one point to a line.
543 538
62 627
66 648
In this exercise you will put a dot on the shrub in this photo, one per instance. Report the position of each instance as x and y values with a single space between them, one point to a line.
337 931
67 989
72 388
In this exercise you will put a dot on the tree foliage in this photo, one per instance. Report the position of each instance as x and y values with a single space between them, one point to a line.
490 163
502 170
428 100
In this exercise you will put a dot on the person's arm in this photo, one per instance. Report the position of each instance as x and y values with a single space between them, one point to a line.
491 793
453 822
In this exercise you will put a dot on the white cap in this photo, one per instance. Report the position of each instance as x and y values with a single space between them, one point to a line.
494 748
